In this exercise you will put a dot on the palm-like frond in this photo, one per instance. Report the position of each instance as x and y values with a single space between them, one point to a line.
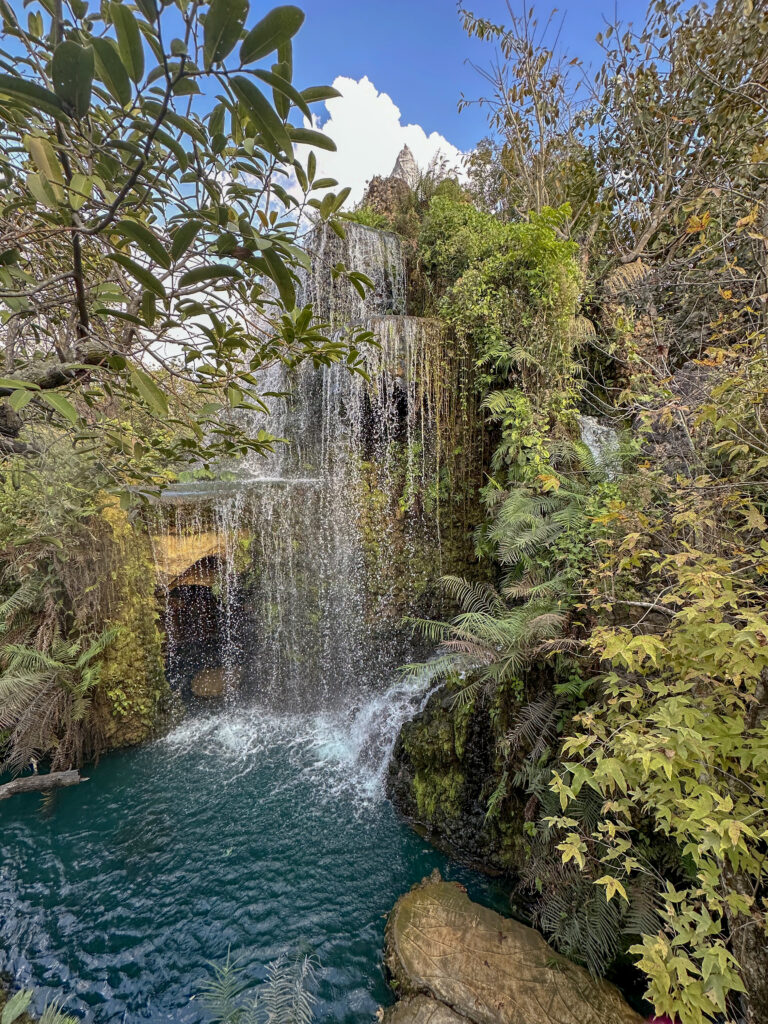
285 996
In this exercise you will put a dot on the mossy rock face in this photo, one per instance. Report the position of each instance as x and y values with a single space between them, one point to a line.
133 689
484 968
444 766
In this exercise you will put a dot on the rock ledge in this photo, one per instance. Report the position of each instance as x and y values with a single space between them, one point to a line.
452 961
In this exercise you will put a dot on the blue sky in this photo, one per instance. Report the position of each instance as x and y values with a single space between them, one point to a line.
416 51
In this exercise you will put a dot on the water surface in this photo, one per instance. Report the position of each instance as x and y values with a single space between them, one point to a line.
242 829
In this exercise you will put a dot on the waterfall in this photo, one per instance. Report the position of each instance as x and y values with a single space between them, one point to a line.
603 443
270 573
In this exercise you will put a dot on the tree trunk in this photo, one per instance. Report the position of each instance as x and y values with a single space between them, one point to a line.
40 783
750 947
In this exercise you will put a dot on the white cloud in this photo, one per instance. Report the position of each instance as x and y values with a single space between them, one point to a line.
365 125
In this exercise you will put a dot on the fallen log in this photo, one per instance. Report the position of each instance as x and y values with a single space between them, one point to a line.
40 783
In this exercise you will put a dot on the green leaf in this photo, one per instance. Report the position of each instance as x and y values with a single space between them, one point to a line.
111 70
281 275
210 273
148 8
149 391
274 29
60 404
261 112
146 240
13 382
223 25
41 191
283 86
128 40
316 93
47 163
32 95
16 1005
612 886
183 237
72 73
309 137
80 189
19 399
141 274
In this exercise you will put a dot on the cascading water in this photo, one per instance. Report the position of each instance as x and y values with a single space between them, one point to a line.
289 588
259 823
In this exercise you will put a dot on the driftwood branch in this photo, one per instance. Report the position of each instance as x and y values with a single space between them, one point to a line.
40 783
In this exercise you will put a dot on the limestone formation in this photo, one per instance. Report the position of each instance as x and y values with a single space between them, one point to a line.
187 558
406 168
484 968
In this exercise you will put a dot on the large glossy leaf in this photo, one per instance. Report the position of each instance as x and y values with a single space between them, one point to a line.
32 95
128 40
274 29
282 85
47 163
111 71
146 240
309 137
281 275
72 73
216 272
263 115
316 93
141 274
61 404
183 237
223 25
149 391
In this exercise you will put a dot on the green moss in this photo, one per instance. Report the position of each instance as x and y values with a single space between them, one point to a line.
132 685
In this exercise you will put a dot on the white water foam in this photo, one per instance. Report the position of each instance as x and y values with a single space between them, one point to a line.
339 752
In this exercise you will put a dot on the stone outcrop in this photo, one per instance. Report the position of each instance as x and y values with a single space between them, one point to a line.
406 168
445 764
453 961
182 559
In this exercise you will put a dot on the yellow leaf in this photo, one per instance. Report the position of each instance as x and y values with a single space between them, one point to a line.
612 886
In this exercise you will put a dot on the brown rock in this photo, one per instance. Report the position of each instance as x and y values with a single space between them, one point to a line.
183 559
214 682
489 969
421 1010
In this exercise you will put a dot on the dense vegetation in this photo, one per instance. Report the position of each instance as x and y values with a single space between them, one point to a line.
608 256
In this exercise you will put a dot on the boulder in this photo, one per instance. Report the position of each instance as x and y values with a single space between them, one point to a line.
484 968
421 1010
214 682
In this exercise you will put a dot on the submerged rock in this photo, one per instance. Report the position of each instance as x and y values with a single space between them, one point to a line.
454 961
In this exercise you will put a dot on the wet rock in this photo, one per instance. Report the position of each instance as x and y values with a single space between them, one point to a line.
214 682
444 767
182 559
486 969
